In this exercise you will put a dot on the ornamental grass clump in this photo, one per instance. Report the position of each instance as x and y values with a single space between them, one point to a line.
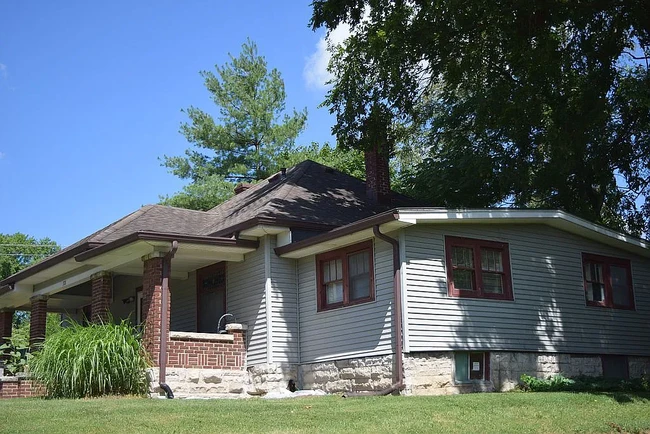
93 360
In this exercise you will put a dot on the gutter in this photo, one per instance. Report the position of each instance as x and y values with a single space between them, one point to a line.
397 304
375 220
166 271
160 236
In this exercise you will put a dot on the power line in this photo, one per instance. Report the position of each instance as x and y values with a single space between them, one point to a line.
28 245
24 254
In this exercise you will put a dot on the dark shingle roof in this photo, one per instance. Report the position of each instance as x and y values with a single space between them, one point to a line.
311 193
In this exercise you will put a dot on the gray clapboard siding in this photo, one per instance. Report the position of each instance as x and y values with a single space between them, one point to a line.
246 300
549 312
284 308
354 331
183 304
124 287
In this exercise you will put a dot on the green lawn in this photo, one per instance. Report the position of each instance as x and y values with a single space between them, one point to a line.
479 413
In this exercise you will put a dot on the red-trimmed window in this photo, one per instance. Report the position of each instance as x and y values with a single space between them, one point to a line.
478 268
345 276
608 281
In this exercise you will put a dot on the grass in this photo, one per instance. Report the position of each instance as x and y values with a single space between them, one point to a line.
475 413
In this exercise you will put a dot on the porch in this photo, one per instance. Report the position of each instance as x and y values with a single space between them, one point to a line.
173 286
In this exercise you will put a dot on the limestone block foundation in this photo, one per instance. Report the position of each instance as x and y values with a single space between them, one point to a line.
201 383
267 377
639 366
507 367
352 375
433 374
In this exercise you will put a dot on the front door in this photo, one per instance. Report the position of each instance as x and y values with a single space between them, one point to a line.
210 297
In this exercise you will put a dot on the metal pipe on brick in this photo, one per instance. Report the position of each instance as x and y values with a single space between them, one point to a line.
164 311
397 304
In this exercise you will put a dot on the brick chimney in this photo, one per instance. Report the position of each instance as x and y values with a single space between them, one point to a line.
242 187
377 176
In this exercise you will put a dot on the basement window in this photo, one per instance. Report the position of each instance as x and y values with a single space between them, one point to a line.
472 366
345 276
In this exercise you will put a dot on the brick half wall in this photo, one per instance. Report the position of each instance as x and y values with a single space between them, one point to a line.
18 387
207 350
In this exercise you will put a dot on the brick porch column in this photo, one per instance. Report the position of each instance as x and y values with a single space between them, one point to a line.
102 284
152 304
6 322
37 321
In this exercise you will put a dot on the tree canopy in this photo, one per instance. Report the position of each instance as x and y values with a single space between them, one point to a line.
248 139
542 103
18 251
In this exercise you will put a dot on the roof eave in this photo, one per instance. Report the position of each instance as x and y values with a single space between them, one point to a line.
161 236
270 220
379 219
49 262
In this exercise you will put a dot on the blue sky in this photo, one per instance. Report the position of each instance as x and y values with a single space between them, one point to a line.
91 93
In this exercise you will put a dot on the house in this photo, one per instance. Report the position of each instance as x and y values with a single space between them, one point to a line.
342 285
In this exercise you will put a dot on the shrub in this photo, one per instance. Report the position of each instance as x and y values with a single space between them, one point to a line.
94 360
15 355
558 383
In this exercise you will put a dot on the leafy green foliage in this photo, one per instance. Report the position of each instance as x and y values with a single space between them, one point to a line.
19 250
349 161
248 138
559 383
15 355
214 189
530 104
202 194
94 360
20 330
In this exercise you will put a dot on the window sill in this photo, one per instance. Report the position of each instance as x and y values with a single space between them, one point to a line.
347 306
604 306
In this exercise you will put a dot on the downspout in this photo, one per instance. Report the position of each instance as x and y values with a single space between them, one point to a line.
166 271
397 303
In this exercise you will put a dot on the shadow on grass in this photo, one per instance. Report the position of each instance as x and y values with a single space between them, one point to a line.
624 397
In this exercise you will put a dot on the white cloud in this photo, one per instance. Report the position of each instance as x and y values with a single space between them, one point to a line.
2 155
3 70
315 72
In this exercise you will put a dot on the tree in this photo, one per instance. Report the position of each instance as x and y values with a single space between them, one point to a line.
532 104
18 251
248 138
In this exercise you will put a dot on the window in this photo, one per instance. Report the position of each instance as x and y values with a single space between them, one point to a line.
472 366
478 268
608 281
345 276
616 367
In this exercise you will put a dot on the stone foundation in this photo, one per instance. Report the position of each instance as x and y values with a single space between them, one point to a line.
433 374
201 383
430 373
352 375
271 376
639 366
507 368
